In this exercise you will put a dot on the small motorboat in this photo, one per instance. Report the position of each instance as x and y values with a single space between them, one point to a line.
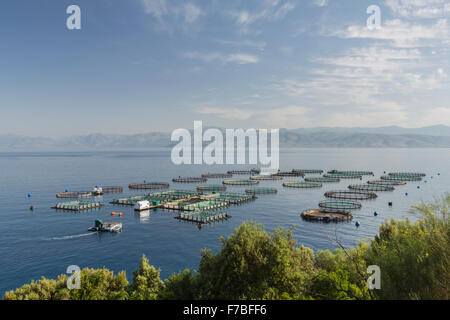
106 226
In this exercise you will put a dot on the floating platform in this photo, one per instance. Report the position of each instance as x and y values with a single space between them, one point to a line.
112 189
401 178
234 198
308 171
106 226
371 187
340 204
240 182
351 172
190 180
288 174
261 190
302 184
149 186
195 205
217 175
322 179
350 195
161 197
342 176
77 205
262 177
203 217
387 182
212 187
327 215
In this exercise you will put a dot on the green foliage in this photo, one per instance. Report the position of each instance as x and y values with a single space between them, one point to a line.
415 257
254 264
146 282
180 286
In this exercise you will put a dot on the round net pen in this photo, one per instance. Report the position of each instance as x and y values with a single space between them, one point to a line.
74 194
371 187
342 176
350 195
271 177
340 204
217 175
288 174
240 182
190 180
308 171
322 179
242 172
408 174
351 172
304 185
386 182
261 190
112 189
212 187
401 178
326 215
149 186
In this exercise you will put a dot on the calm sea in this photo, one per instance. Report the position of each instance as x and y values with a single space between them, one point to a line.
44 242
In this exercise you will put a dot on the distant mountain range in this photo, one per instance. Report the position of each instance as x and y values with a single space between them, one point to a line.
324 137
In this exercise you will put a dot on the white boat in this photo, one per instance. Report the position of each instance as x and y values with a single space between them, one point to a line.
142 205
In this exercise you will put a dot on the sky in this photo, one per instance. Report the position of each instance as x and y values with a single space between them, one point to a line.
141 66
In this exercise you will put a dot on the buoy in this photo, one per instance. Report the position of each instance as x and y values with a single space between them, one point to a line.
357 224
406 194
418 187
390 204
360 178
29 195
425 181
32 208
67 190
96 186
120 214
113 213
145 181
375 213
439 174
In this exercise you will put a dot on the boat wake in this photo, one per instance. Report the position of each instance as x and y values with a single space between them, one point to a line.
70 237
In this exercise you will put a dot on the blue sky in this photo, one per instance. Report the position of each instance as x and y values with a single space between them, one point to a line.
156 65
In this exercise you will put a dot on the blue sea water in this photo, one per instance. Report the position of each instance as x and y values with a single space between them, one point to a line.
44 242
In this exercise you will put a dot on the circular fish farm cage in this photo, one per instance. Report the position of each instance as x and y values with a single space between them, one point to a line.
350 195
212 187
302 184
408 174
240 182
351 172
261 190
217 175
322 179
241 172
190 180
371 187
401 178
74 194
340 204
326 215
271 177
149 186
308 171
112 189
342 176
386 182
288 174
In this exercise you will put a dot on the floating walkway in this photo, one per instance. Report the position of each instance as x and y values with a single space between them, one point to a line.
322 179
340 204
190 180
240 182
212 187
149 186
217 175
261 190
203 217
77 205
327 215
351 172
371 187
350 195
302 185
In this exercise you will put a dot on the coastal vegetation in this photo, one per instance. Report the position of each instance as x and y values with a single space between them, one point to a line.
414 259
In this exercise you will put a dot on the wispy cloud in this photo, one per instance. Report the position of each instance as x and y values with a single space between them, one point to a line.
237 58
